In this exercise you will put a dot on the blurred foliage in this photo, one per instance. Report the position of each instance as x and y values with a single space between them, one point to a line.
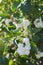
30 9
